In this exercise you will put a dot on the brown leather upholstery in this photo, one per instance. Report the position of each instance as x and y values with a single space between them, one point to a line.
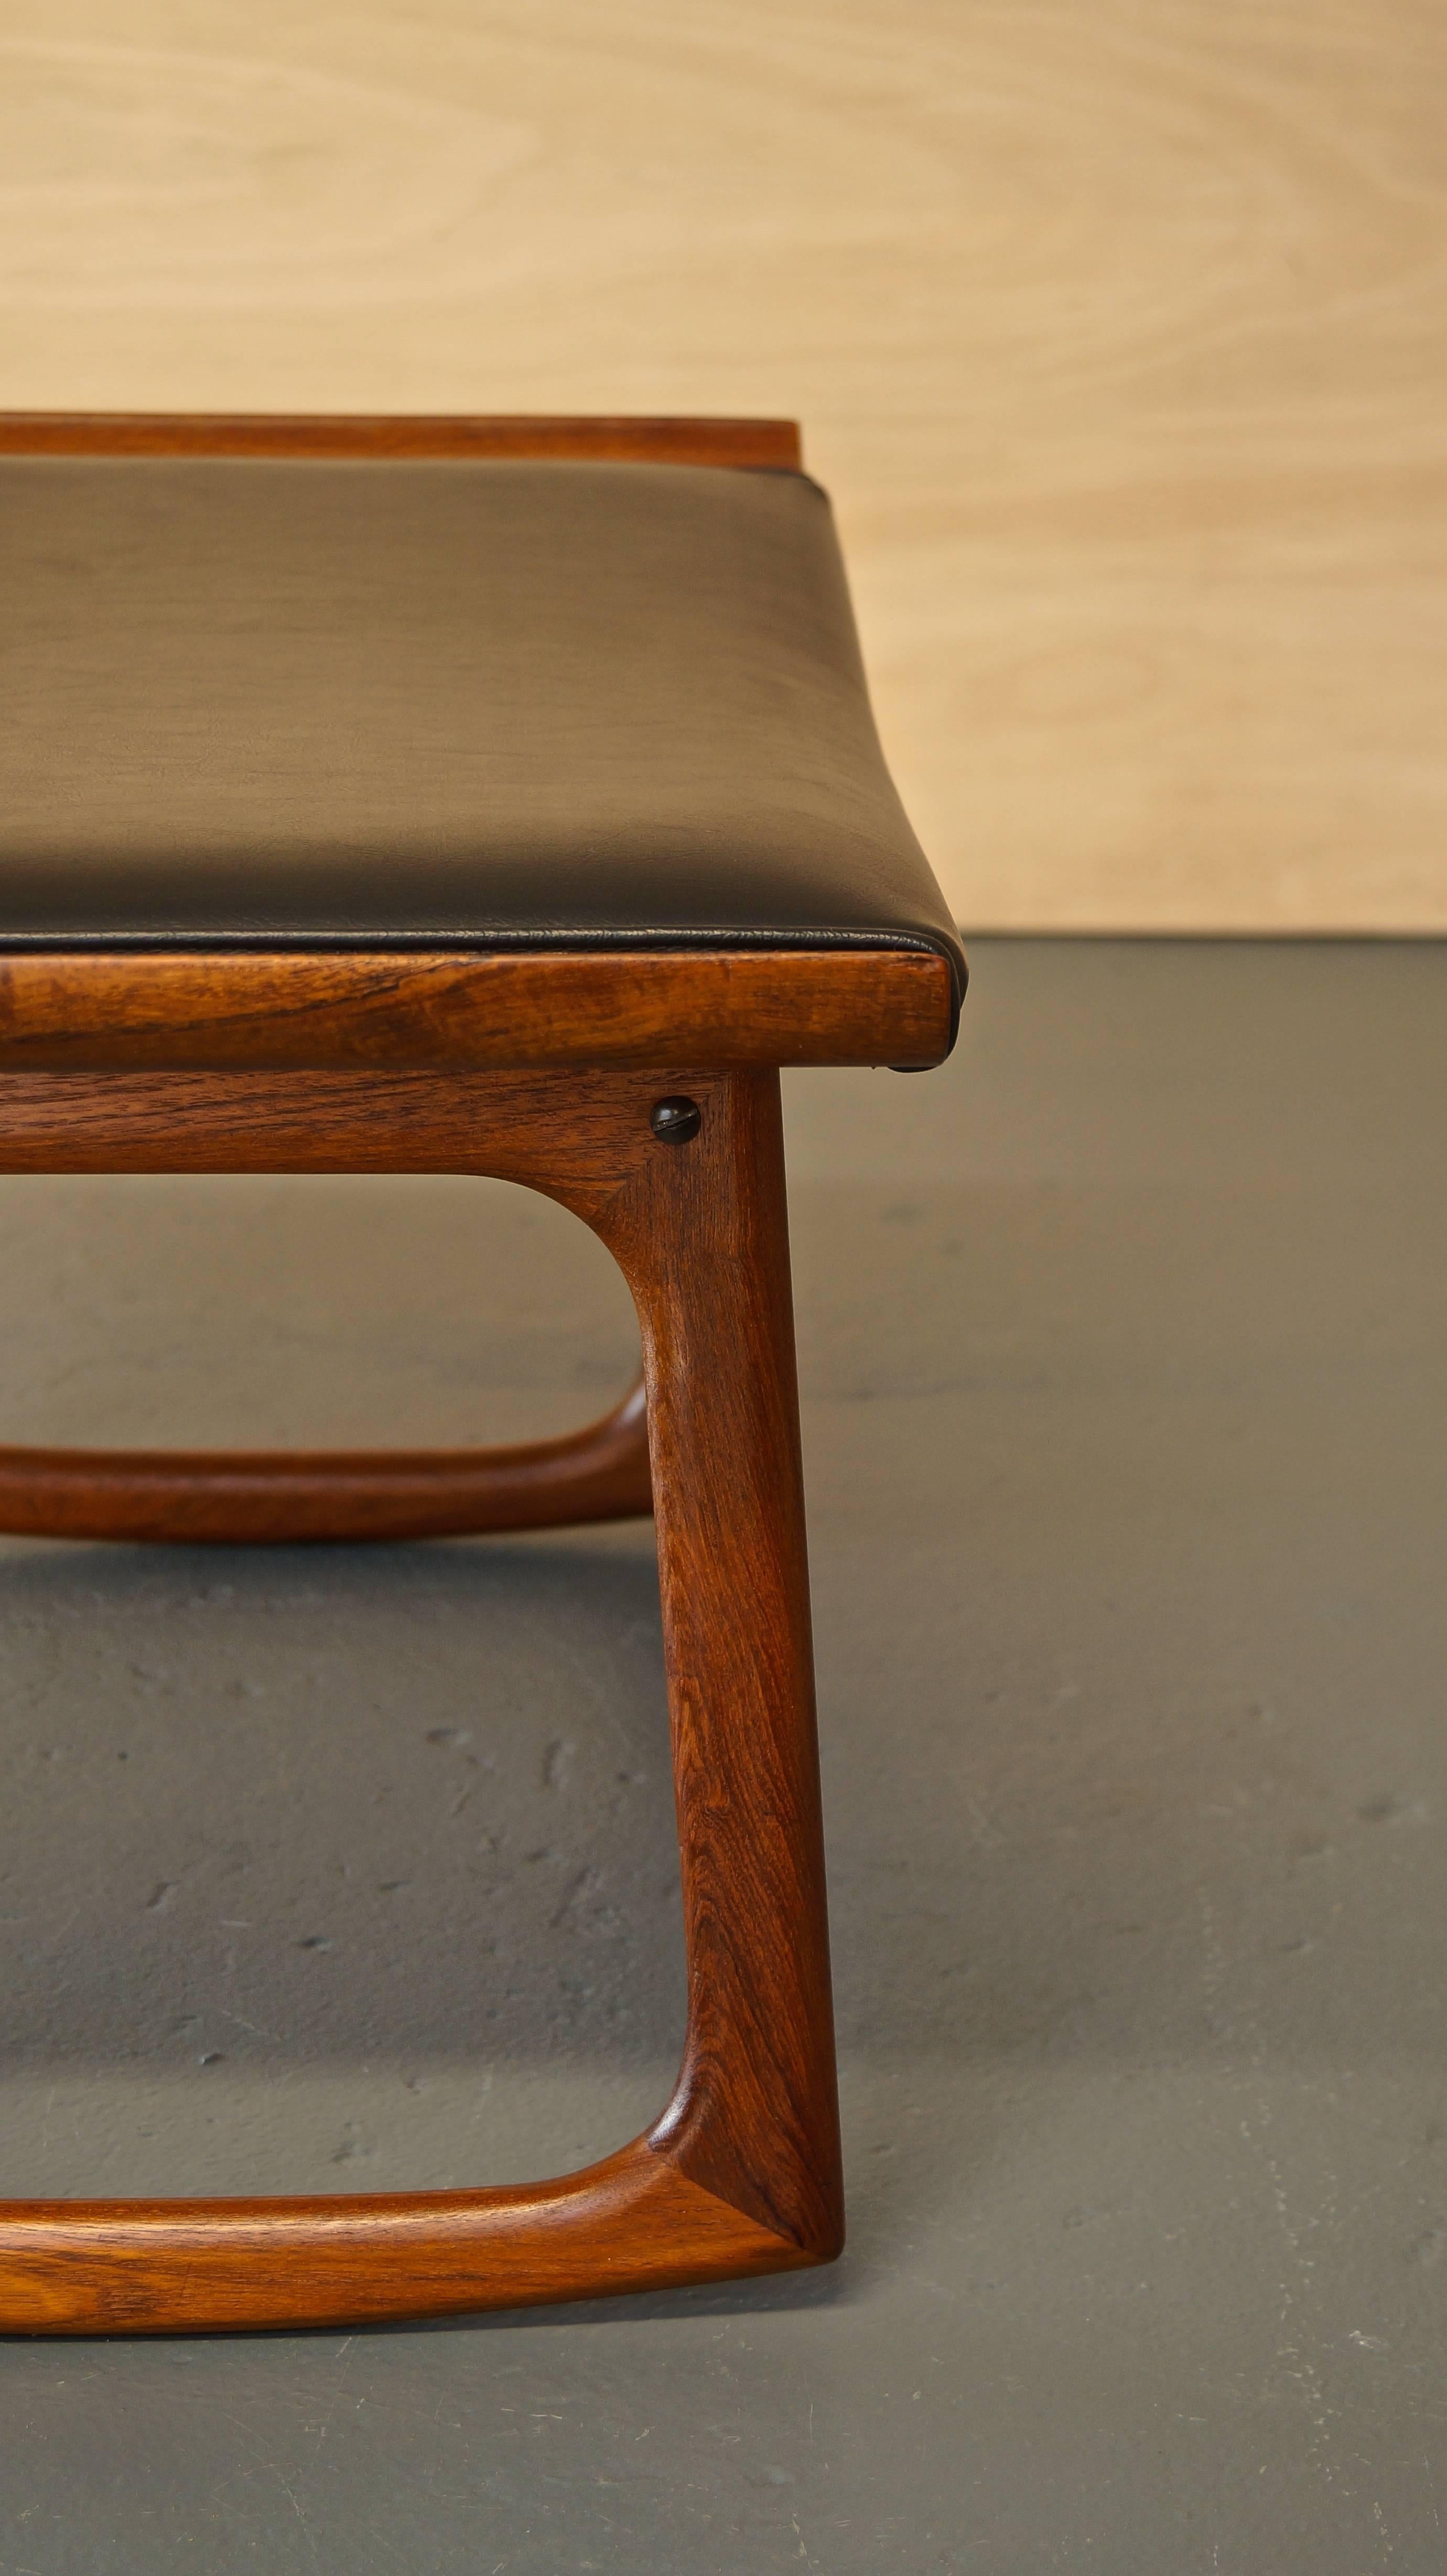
298 704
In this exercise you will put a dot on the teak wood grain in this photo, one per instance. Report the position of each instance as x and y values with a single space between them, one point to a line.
109 1010
770 444
632 2222
742 2171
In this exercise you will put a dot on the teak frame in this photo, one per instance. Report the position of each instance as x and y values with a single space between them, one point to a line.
543 1069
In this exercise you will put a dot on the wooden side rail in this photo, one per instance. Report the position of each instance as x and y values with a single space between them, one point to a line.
770 445
265 1498
158 1011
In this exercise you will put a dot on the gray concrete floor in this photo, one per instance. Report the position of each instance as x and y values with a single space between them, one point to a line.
1123 1355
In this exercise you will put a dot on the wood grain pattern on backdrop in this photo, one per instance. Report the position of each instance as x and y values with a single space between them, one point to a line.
1117 331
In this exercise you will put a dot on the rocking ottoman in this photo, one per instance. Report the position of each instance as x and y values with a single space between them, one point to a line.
480 797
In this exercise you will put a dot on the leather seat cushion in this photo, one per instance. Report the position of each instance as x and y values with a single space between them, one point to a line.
362 703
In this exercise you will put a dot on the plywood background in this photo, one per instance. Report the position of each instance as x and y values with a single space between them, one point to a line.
1117 327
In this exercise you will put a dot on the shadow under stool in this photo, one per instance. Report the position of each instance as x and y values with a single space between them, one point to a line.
494 797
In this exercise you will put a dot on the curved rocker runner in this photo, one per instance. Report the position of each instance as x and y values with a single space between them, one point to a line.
259 1498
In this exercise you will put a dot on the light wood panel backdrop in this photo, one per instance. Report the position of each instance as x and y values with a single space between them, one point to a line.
1116 327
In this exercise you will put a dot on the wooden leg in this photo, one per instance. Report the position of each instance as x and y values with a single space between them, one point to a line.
261 1498
742 2172
705 1245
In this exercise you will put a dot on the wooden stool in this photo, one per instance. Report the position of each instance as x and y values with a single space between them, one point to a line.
492 797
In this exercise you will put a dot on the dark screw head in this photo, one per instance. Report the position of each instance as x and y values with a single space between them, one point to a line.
676 1119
